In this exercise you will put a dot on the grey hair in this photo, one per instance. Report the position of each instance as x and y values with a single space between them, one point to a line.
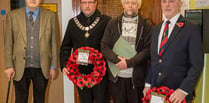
139 1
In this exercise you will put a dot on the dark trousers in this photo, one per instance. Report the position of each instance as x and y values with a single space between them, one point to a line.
190 101
96 94
124 92
39 86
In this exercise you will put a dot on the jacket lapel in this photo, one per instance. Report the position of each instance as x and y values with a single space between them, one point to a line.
140 30
22 22
155 38
43 19
119 25
174 33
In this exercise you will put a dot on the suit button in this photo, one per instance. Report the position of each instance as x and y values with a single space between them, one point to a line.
159 73
24 58
24 47
160 60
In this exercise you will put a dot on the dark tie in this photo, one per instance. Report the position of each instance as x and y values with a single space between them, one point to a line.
164 38
31 18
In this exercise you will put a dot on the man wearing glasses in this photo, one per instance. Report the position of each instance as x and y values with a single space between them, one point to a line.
85 29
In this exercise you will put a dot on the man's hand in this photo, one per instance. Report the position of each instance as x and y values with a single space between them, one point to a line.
122 64
146 89
65 71
10 73
177 96
52 73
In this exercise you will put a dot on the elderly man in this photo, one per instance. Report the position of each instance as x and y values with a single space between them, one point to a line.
126 46
31 50
76 36
176 54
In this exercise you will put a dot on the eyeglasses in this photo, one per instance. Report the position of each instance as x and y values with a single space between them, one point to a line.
90 2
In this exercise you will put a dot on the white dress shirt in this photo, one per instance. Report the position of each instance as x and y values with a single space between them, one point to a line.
170 29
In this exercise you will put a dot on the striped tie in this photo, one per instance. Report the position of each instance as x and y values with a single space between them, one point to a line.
164 38
31 18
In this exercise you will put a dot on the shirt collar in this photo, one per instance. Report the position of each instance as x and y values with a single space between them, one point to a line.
174 19
35 12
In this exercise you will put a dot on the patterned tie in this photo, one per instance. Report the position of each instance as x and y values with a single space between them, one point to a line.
164 38
31 17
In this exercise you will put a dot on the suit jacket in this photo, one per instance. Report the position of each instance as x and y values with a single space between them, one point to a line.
182 60
16 41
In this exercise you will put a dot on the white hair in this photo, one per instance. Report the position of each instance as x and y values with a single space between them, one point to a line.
139 1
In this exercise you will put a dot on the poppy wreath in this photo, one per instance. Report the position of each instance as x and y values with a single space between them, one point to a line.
163 90
89 80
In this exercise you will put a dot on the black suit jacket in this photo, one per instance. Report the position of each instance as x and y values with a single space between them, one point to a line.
182 60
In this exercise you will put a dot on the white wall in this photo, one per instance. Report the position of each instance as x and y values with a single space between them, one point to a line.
66 15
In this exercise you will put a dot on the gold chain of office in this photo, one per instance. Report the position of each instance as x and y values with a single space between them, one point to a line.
87 28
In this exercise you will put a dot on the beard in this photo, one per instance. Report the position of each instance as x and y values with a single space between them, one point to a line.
130 14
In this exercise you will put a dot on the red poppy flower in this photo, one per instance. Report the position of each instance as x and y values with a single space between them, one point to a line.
99 55
80 83
92 82
75 52
86 80
180 24
101 71
95 73
71 69
73 78
99 79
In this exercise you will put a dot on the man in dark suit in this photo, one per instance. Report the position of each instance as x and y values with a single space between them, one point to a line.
176 54
85 29
31 50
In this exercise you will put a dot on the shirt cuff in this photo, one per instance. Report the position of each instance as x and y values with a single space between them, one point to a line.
184 92
53 67
147 85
